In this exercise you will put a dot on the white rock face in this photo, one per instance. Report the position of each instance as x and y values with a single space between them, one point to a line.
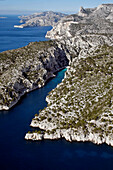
87 21
61 29
18 26
71 111
82 12
33 136
4 108
69 136
32 67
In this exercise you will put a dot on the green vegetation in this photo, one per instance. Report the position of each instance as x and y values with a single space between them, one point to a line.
25 69
84 98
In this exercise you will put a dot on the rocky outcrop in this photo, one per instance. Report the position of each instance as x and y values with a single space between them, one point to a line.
48 18
81 107
70 136
88 21
82 12
28 68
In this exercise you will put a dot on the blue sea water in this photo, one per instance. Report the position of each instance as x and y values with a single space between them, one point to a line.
12 38
19 154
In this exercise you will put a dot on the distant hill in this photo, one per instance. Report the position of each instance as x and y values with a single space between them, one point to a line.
40 19
97 20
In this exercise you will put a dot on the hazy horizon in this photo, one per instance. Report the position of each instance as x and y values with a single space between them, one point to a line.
26 7
4 12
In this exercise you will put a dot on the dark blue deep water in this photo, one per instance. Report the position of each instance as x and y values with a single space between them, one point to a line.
12 38
19 154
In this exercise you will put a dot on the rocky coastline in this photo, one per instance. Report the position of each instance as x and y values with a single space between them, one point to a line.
48 18
18 26
81 107
75 122
70 136
28 68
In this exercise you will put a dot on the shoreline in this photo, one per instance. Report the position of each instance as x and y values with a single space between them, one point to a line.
18 26
6 108
94 130
93 138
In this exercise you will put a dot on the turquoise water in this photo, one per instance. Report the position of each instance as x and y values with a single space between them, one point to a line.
19 154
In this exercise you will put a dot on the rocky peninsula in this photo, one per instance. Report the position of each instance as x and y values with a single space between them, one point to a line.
48 18
81 107
25 69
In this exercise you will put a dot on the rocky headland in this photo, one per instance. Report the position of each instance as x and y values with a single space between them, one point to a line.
81 107
48 18
28 68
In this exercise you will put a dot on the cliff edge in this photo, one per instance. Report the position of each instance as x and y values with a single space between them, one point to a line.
81 107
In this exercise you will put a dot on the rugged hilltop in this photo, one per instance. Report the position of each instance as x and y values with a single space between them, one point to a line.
48 18
81 107
88 21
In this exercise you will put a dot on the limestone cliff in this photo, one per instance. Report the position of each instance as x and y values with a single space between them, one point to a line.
28 68
48 18
95 21
81 107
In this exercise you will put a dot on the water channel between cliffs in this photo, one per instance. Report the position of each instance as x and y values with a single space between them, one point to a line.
21 154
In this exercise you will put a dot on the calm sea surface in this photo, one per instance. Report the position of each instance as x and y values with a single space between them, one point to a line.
19 154
12 38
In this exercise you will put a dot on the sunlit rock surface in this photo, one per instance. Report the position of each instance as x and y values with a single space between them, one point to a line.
81 107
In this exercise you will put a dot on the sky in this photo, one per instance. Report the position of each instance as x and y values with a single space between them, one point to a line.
30 6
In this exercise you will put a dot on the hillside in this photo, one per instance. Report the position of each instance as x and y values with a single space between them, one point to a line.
88 21
48 18
81 107
28 68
